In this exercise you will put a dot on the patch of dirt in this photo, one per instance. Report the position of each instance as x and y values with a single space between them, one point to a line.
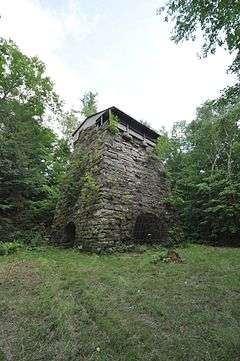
173 256
170 256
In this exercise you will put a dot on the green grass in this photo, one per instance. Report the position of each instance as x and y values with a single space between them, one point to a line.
63 305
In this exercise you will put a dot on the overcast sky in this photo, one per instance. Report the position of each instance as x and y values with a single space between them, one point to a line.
120 49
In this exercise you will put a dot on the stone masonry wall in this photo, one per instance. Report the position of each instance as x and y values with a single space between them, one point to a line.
119 181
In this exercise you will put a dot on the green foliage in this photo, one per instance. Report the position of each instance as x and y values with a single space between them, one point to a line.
69 123
89 191
112 124
9 248
218 21
203 163
30 170
79 180
32 158
23 81
89 104
175 232
73 179
163 146
30 237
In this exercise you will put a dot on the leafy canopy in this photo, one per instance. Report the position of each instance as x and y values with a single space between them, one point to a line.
69 123
89 104
32 159
218 21
202 159
23 80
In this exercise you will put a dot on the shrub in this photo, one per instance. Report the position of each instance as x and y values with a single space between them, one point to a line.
112 125
9 248
30 238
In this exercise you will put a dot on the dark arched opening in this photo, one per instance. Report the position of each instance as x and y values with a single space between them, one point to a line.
148 228
69 234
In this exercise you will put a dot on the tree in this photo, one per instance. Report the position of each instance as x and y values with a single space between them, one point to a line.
69 123
207 180
23 81
89 104
202 159
69 120
217 20
163 146
32 159
26 149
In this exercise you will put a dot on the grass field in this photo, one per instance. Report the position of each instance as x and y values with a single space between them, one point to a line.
63 305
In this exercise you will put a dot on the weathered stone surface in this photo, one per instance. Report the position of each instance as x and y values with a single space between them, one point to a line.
129 182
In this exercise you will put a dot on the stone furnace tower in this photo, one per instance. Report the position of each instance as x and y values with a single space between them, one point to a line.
115 186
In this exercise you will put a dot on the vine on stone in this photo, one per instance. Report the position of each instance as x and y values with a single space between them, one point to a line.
112 125
89 191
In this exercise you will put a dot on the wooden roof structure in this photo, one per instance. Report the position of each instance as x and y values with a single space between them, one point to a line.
126 124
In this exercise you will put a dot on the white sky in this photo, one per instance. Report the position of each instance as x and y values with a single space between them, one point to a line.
120 49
